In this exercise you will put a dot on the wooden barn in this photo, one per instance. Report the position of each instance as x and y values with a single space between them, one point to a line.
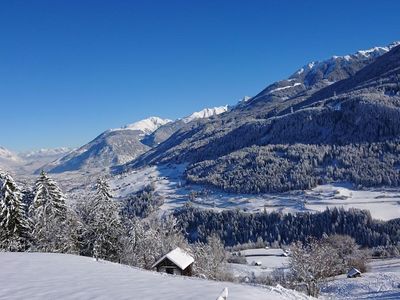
176 262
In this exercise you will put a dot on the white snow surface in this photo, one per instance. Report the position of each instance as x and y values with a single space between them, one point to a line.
147 126
205 113
368 286
179 257
270 259
44 276
380 282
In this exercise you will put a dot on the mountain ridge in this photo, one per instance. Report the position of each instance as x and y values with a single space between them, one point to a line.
121 145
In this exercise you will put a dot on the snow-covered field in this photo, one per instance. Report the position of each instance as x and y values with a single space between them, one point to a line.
270 259
383 203
381 282
61 276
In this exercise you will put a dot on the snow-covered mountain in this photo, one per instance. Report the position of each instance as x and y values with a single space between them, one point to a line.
315 76
147 126
165 131
8 155
121 145
112 147
205 113
345 100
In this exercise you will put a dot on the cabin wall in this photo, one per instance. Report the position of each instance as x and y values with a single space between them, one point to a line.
167 265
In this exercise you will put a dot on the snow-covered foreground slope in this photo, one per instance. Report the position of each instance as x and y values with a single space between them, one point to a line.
61 276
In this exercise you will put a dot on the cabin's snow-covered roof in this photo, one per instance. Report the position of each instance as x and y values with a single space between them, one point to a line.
179 257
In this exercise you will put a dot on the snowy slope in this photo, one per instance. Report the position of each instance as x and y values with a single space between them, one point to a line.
369 286
59 276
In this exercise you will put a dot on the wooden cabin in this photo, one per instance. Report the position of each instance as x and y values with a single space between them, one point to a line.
176 262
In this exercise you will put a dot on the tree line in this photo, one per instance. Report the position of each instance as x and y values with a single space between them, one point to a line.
235 227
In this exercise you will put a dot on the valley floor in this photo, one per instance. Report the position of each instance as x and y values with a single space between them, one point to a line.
383 203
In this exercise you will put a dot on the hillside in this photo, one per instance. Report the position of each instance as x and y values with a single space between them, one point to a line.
343 104
60 276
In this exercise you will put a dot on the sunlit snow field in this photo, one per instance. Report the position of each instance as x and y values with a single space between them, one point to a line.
42 276
383 203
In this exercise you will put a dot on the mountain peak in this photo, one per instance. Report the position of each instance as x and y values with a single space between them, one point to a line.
147 126
205 113
329 65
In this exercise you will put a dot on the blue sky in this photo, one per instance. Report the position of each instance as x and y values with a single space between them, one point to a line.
71 69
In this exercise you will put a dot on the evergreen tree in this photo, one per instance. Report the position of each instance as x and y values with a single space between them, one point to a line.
105 224
14 225
49 214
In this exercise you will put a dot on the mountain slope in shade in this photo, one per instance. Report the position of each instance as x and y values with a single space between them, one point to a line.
244 125
346 132
355 111
312 77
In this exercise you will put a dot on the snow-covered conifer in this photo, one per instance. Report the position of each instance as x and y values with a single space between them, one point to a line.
14 225
49 215
105 223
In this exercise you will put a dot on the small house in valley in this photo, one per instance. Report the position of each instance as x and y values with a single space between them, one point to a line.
353 273
176 262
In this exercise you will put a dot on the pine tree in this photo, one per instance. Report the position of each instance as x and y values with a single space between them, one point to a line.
14 225
105 224
49 215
